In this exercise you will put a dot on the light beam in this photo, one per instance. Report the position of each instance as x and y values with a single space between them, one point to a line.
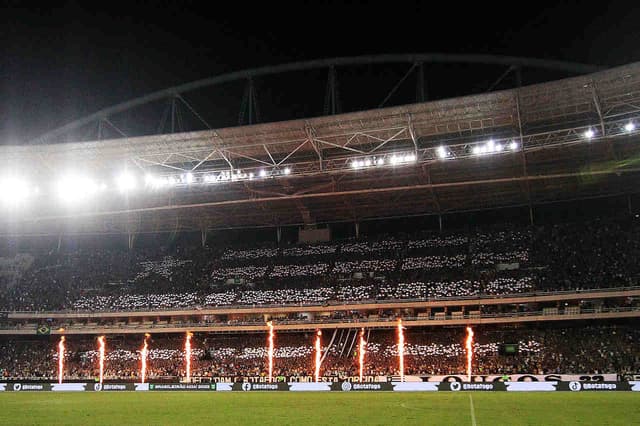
270 351
361 353
318 358
144 353
187 355
469 346
60 359
101 352
401 349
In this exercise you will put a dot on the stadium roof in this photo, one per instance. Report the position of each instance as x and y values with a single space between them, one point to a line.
515 147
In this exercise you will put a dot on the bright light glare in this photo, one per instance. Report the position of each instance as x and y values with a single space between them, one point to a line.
263 173
513 145
13 191
630 127
126 182
589 134
73 189
442 152
287 171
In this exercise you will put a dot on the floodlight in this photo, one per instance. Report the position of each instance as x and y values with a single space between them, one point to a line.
13 191
126 182
442 152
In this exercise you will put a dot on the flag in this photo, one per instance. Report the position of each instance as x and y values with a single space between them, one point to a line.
43 330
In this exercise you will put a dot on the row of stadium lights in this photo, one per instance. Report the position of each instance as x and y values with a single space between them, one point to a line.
219 177
394 160
73 189
492 147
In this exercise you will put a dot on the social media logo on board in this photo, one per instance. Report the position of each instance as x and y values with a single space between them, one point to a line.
455 386
575 386
346 386
246 386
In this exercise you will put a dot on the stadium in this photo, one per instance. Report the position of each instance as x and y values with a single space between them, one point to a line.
386 265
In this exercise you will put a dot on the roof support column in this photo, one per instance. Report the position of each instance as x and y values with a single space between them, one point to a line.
523 155
203 237
131 237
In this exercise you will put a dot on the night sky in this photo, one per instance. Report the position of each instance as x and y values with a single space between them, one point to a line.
60 63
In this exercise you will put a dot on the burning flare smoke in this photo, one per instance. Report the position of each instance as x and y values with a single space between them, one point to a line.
361 352
101 352
187 355
270 351
144 353
401 349
318 359
60 359
469 346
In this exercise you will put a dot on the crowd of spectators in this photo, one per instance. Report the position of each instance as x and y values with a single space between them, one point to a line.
549 349
573 256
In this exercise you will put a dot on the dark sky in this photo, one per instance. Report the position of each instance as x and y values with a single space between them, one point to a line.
64 61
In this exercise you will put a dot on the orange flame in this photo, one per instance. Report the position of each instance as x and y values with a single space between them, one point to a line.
60 359
362 352
101 351
270 351
187 354
144 353
469 346
318 359
401 349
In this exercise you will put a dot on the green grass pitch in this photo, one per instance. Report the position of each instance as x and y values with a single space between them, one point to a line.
374 408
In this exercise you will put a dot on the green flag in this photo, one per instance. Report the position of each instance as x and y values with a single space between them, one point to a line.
43 330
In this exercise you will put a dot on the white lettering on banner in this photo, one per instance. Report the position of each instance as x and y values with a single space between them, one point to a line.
304 387
224 387
607 386
114 387
262 386
477 386
608 377
635 386
366 386
179 386
3 387
531 386
415 386
67 387
32 387
612 377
